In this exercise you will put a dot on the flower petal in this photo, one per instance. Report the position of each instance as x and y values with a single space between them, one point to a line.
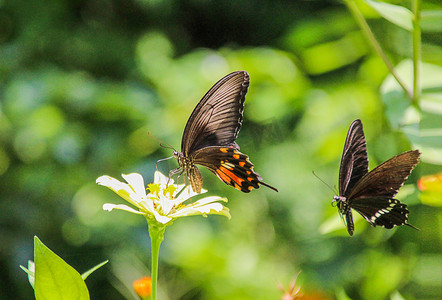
204 207
160 202
210 199
162 219
160 179
210 209
186 194
136 181
121 188
166 203
110 207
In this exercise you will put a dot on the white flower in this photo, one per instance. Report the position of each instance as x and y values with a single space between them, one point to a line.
162 201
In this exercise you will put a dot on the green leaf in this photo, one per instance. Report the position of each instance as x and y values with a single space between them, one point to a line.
431 20
89 272
396 296
54 278
30 271
337 226
341 294
423 128
397 15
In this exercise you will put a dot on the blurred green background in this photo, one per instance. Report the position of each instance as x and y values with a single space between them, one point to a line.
83 82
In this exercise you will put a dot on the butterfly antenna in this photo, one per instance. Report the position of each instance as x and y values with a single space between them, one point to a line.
334 191
162 143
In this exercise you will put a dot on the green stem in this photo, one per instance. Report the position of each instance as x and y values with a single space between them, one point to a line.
416 51
156 233
374 43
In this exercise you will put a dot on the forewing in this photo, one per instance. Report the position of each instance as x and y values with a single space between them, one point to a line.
354 161
386 179
217 118
231 166
381 211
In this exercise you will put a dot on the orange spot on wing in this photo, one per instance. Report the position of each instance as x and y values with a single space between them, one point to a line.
237 187
248 172
249 179
229 174
242 163
225 150
236 156
250 187
223 176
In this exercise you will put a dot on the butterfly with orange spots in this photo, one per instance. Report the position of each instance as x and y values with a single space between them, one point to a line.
210 134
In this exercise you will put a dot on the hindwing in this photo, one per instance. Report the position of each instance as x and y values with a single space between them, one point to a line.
382 211
231 166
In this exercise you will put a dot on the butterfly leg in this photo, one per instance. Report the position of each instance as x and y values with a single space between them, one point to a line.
160 160
178 171
180 191
179 176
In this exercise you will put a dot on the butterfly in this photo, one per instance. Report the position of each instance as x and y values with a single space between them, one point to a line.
372 193
210 134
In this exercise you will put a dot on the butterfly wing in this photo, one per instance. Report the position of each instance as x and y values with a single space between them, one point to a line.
381 211
371 193
231 166
386 179
354 161
217 118
372 197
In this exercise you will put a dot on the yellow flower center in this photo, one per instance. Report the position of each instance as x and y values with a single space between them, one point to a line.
170 189
153 188
156 189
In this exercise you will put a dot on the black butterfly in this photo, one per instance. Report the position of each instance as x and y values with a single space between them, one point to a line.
210 134
372 193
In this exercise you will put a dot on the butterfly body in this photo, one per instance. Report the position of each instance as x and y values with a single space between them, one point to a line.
210 134
195 178
372 193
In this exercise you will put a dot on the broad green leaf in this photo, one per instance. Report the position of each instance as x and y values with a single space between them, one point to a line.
341 294
54 278
387 268
329 56
337 225
30 271
89 272
423 128
397 15
408 194
396 296
431 20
